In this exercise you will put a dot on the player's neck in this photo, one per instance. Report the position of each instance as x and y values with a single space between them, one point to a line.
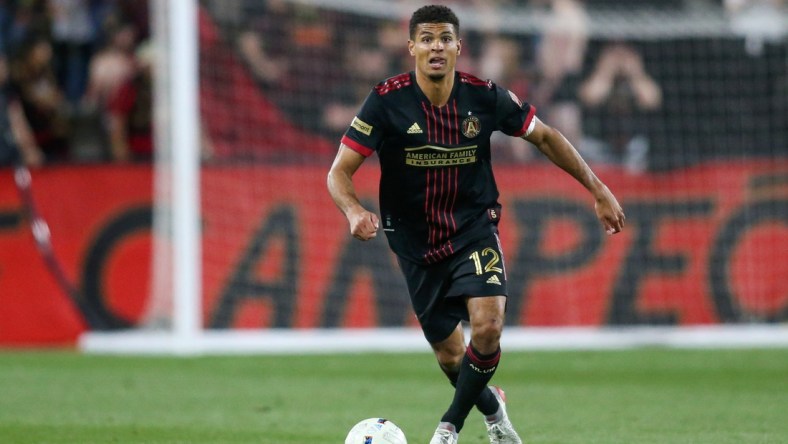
437 91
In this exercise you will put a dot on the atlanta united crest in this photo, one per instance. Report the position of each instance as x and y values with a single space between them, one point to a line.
471 127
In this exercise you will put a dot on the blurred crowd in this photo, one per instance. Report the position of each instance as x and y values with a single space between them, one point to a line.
281 80
75 80
644 102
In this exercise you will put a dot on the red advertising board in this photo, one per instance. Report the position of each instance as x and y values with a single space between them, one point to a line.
78 203
703 245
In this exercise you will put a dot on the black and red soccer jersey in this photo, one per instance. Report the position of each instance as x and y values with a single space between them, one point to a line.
437 190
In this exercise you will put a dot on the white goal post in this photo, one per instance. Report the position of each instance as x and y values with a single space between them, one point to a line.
174 300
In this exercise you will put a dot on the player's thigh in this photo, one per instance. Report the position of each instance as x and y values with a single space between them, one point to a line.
438 316
486 308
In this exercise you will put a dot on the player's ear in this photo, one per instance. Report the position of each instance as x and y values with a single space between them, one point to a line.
459 46
411 44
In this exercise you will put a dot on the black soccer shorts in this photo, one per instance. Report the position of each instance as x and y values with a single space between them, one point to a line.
438 291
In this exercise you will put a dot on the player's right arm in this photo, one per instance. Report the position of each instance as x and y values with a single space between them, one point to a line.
363 224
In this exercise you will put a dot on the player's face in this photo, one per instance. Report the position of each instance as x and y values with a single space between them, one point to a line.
435 48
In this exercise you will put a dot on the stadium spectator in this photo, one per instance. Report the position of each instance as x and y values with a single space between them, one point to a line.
619 98
23 19
560 54
74 37
389 36
16 138
239 118
365 63
296 53
5 24
264 26
313 52
501 58
111 67
130 113
43 102
366 58
126 11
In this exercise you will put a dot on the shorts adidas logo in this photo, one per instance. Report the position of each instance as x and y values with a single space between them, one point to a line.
415 129
494 280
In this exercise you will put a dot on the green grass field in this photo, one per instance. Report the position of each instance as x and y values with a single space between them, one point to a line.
638 396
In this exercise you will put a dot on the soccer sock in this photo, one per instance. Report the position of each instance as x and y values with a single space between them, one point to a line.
487 403
476 371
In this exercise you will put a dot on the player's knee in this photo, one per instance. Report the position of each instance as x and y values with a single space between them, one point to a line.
450 364
486 335
450 358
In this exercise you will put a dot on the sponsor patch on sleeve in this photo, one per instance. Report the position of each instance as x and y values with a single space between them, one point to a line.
361 126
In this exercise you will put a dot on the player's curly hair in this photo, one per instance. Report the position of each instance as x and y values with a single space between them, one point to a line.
433 14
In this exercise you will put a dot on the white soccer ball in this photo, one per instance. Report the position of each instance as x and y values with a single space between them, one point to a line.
375 431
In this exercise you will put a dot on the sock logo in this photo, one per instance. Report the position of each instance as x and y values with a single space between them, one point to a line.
483 371
484 365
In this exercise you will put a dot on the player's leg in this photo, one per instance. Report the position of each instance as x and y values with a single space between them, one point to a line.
449 353
440 318
452 355
477 367
480 358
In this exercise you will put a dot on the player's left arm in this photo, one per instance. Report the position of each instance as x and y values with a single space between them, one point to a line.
554 145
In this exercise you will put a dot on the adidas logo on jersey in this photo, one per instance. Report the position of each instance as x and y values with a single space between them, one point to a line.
415 129
494 280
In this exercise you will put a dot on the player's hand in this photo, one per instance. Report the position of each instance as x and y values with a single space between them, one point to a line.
363 224
609 212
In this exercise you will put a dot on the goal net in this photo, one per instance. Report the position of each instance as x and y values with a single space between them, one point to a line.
679 106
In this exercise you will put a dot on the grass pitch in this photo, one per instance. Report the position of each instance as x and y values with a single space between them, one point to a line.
638 396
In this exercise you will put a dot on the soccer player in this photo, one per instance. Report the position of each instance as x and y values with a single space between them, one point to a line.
439 205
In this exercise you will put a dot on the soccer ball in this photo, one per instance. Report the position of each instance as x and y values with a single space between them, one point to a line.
375 431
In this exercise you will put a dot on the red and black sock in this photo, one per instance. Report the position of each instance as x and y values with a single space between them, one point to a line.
476 371
487 403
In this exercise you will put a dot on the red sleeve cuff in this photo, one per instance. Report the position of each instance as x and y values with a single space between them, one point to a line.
357 147
527 122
